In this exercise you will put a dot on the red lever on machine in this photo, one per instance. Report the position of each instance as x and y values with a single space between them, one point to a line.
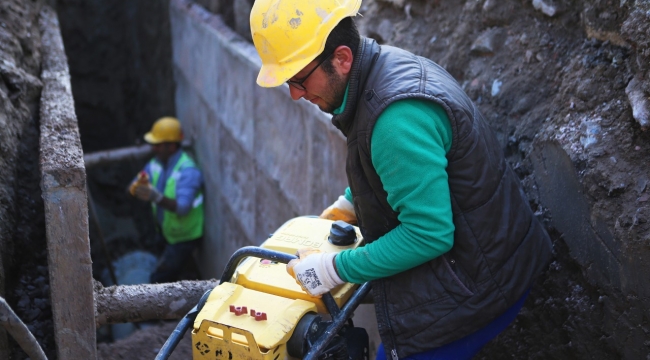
238 310
258 315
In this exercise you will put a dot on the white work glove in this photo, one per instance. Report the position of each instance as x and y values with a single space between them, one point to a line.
147 193
314 271
341 209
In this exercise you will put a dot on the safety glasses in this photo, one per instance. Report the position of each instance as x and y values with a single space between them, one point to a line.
299 84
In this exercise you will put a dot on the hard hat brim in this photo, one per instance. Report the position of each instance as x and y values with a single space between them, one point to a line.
151 139
273 75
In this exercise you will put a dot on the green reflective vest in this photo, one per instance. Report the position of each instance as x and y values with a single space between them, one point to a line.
177 228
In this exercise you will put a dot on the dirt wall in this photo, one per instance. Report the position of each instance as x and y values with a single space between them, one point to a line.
23 261
19 91
555 80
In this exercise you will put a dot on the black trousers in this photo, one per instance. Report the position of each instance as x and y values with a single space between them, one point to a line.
174 259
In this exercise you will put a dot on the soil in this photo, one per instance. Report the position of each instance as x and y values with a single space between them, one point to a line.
540 71
144 344
538 78
22 223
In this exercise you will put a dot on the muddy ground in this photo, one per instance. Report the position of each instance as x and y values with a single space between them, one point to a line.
144 344
540 71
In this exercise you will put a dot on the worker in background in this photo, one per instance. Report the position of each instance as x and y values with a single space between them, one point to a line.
172 182
452 246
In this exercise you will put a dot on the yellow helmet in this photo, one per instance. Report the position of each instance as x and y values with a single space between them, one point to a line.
289 34
165 129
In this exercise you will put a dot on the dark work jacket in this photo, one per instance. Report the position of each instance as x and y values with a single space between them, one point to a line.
499 246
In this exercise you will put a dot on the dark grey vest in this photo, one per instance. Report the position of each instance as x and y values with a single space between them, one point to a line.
499 246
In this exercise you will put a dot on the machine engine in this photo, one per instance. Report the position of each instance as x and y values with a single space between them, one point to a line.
259 312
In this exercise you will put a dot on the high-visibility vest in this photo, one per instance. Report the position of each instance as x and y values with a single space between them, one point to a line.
177 228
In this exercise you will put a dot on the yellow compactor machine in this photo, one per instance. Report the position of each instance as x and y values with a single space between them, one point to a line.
259 312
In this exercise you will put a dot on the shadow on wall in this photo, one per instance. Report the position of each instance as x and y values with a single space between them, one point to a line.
235 14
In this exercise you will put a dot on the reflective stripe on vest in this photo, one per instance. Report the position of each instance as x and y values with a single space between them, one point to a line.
176 228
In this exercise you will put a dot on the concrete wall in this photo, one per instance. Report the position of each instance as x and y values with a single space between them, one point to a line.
265 157
66 210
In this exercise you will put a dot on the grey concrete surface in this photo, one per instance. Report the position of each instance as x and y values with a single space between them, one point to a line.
265 157
66 208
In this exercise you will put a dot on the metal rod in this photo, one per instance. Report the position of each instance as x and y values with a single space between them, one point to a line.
117 155
100 235
330 304
19 331
138 152
254 251
177 335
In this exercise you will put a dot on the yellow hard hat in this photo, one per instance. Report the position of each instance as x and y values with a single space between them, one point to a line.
165 129
289 34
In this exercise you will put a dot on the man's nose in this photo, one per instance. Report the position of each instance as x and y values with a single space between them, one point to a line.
296 94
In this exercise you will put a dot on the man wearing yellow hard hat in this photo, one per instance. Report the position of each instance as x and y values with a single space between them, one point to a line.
172 182
453 246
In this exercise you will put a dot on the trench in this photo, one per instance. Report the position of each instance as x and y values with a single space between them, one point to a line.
128 67
118 55
122 79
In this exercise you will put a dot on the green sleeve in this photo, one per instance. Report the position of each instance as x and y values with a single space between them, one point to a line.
408 150
348 195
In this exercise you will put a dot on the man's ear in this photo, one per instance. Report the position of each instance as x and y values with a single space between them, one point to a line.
343 59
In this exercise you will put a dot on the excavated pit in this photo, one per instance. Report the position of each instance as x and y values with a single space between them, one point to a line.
564 85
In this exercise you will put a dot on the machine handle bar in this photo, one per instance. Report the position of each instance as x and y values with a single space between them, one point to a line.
255 251
278 256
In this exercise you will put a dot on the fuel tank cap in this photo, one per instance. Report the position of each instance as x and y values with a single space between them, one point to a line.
342 234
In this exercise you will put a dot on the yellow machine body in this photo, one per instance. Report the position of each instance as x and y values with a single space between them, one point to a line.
254 315
222 334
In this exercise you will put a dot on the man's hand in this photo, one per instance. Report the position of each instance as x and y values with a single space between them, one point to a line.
147 193
341 209
314 271
141 179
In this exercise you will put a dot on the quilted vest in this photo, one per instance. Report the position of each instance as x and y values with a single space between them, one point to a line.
499 245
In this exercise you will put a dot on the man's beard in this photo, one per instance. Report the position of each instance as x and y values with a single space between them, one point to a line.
337 85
